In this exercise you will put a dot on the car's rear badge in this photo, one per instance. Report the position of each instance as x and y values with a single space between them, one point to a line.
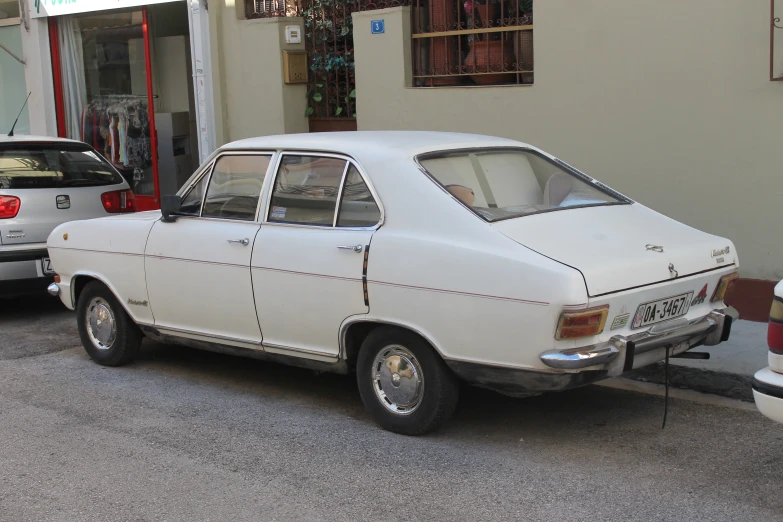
15 234
721 252
137 303
702 295
654 248
63 202
620 321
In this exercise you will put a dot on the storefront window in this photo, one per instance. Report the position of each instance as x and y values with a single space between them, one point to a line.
104 79
13 88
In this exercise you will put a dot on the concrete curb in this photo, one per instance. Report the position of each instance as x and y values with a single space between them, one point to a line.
724 384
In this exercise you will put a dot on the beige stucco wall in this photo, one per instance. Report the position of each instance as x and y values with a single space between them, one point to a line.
669 104
251 98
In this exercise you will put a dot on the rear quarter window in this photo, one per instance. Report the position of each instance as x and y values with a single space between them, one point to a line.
28 166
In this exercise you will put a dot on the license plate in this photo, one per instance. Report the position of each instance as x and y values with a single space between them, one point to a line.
46 266
662 309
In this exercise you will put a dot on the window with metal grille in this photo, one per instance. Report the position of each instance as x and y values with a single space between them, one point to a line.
271 8
472 42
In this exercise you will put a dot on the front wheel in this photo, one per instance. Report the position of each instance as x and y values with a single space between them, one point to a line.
404 384
108 334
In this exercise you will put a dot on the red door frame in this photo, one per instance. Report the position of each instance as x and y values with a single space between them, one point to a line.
142 202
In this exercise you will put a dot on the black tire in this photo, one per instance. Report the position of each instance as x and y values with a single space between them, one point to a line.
439 390
127 337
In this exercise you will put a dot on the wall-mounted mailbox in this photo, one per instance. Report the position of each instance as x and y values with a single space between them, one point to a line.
295 66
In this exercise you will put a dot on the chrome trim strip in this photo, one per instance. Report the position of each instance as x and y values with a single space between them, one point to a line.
340 193
202 262
164 329
301 351
310 274
709 329
53 289
97 251
457 292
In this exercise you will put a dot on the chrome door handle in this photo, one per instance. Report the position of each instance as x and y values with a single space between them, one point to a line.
244 241
355 248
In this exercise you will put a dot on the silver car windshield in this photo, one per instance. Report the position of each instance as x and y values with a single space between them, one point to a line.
501 184
53 165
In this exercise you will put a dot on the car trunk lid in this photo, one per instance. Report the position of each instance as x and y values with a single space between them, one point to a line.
41 210
620 246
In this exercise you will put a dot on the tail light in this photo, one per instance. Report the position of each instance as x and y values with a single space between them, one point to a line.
118 201
725 283
585 323
775 329
9 206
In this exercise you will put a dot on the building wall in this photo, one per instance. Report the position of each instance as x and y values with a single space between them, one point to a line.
248 79
671 105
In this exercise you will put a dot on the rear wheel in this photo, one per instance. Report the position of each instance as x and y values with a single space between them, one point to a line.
108 334
404 384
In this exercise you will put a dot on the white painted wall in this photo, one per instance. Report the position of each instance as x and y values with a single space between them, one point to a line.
670 103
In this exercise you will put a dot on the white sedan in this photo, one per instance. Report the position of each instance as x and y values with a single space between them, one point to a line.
414 259
768 383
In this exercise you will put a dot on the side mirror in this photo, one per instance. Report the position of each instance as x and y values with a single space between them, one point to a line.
170 208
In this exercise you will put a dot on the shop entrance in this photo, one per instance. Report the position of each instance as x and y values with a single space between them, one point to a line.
123 85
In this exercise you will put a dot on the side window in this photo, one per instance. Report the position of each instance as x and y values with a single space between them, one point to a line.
235 187
357 206
191 203
306 189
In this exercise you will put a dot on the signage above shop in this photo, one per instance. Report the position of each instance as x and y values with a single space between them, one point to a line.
42 8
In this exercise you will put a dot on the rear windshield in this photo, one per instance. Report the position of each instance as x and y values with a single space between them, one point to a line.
53 165
502 184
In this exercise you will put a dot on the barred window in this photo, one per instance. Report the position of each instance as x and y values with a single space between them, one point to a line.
472 42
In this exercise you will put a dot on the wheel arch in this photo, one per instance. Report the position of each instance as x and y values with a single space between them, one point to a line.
82 279
355 330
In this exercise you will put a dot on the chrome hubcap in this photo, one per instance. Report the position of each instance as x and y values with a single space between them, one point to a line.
398 380
101 325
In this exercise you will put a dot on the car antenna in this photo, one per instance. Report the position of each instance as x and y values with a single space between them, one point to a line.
11 133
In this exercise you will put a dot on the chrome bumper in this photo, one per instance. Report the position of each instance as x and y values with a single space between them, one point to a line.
710 330
53 289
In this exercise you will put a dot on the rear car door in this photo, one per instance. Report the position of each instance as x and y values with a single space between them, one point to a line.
198 267
309 259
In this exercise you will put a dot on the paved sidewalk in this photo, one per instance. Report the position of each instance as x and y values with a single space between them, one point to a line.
729 370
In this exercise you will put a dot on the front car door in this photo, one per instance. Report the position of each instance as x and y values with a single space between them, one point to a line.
308 261
198 267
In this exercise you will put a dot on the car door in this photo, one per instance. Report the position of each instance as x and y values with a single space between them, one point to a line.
308 262
198 267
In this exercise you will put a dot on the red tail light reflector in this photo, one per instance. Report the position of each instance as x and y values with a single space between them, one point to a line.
585 323
9 206
118 201
775 329
724 285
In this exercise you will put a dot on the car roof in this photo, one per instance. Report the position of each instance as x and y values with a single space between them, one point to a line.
22 138
370 144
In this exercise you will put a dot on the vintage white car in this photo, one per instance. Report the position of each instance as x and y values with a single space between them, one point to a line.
414 259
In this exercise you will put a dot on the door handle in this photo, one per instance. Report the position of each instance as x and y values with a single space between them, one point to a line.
244 241
355 248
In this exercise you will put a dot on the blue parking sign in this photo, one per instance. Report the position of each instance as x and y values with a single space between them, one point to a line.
377 27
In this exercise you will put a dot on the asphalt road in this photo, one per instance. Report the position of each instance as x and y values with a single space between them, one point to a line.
189 435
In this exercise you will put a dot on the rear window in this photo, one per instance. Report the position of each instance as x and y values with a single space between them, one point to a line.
24 166
500 184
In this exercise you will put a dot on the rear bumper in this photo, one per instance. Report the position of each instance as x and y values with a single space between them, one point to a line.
768 393
17 287
21 271
709 330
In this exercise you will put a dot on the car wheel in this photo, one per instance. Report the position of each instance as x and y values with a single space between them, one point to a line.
108 334
404 384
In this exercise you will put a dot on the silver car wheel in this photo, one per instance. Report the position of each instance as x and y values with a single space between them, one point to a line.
101 324
397 379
